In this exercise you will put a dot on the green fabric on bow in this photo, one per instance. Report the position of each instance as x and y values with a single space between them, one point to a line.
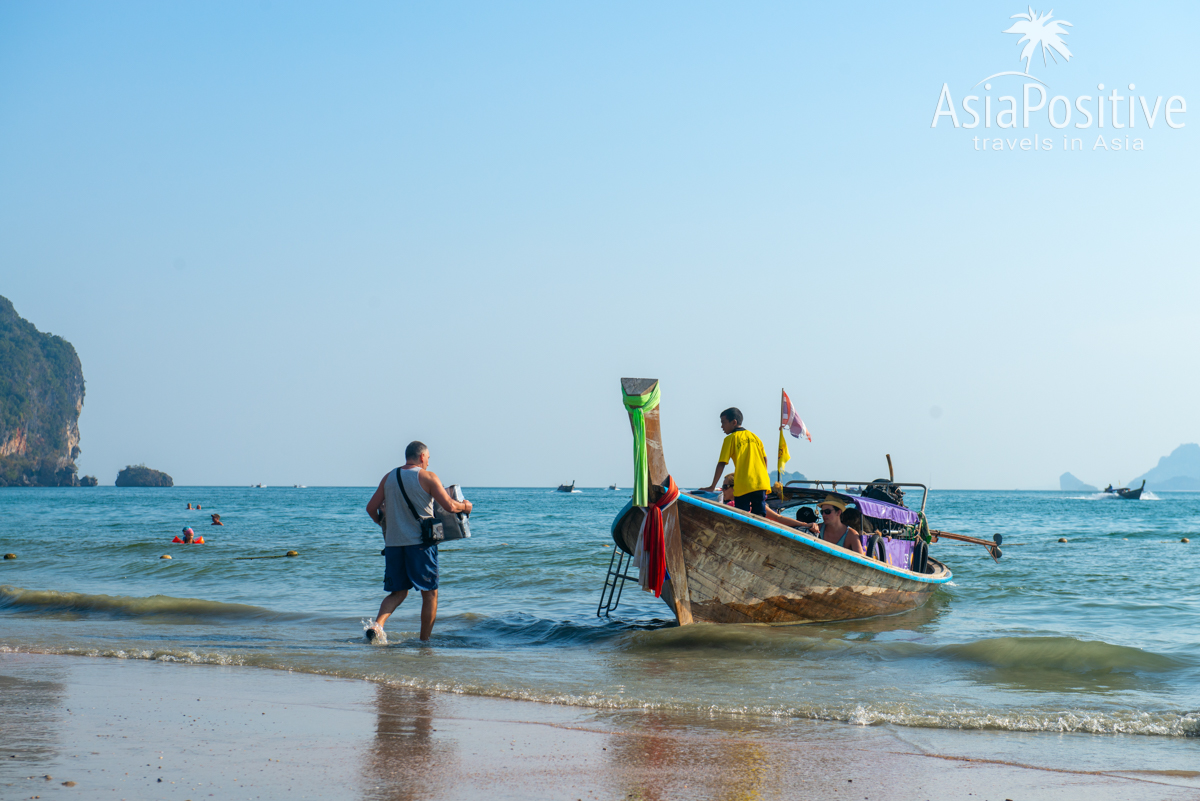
638 405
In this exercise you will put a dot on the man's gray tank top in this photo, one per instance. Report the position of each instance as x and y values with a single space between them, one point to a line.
402 529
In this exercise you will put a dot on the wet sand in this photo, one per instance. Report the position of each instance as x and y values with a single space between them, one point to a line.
128 729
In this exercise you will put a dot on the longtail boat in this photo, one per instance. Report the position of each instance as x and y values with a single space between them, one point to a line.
1127 493
722 565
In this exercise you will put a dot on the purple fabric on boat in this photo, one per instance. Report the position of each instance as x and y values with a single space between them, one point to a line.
886 511
899 552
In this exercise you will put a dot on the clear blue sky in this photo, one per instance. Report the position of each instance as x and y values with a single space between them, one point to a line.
287 238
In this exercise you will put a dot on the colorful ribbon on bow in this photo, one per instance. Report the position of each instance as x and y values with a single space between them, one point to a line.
638 406
652 544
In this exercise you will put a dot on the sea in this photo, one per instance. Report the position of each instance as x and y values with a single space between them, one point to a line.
1093 637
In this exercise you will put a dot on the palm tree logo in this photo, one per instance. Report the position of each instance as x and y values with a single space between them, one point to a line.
1038 30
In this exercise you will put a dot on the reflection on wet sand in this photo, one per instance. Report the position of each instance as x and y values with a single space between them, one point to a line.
31 715
664 756
658 761
407 760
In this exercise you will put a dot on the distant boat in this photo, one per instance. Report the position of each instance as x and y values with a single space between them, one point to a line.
300 486
565 488
256 486
1126 493
612 486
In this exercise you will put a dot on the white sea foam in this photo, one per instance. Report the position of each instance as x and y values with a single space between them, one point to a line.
380 634
1163 723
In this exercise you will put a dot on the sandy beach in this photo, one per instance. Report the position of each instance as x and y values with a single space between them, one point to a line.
108 728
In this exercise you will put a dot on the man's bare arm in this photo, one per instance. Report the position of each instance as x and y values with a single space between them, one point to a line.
716 477
775 517
376 501
433 485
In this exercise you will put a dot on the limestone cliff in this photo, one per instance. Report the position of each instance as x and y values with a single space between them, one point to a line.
1179 470
1068 483
41 395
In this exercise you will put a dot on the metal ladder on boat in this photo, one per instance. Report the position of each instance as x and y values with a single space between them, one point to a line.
614 582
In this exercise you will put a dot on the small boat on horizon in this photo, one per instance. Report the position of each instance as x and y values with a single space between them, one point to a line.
612 486
565 488
1134 494
723 565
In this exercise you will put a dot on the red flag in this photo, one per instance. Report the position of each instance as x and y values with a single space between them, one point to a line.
790 418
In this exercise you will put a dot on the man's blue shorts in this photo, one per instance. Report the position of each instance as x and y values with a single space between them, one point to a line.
410 566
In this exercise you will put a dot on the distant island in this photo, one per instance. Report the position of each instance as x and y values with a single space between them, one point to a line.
138 475
1178 471
41 395
787 476
1068 483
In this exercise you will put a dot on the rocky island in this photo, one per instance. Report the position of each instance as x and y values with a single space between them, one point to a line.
41 395
1068 483
138 475
1179 470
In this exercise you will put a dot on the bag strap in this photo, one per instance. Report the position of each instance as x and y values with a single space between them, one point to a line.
403 492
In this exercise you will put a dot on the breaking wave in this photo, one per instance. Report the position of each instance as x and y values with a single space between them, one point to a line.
1060 654
159 607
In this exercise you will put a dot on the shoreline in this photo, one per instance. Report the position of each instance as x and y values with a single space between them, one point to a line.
121 725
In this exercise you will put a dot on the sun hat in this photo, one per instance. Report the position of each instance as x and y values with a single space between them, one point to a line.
834 501
188 531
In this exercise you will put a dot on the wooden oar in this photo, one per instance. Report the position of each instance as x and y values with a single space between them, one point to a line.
993 546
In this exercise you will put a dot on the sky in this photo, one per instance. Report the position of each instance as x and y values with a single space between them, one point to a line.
288 238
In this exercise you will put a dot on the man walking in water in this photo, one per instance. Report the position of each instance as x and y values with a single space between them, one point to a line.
409 562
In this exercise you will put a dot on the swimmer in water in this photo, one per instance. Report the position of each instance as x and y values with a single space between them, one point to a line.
189 506
189 538
216 520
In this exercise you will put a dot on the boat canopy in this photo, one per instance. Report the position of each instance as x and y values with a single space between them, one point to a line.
885 511
869 507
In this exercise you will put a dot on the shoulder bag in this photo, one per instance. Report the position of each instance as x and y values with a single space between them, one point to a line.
432 529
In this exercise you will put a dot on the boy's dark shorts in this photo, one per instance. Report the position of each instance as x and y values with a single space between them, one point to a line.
753 502
410 567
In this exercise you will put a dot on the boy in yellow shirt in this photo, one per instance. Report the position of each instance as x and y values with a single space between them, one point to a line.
750 477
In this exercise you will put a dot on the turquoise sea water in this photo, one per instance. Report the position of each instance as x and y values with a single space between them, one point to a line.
1095 636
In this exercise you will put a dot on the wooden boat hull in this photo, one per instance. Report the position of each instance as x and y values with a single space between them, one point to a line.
741 568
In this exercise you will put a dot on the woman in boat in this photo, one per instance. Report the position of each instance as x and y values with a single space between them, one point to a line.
834 529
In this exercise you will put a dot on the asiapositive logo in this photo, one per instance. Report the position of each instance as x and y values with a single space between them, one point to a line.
1041 34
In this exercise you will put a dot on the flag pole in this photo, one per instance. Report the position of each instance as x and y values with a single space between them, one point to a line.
779 450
